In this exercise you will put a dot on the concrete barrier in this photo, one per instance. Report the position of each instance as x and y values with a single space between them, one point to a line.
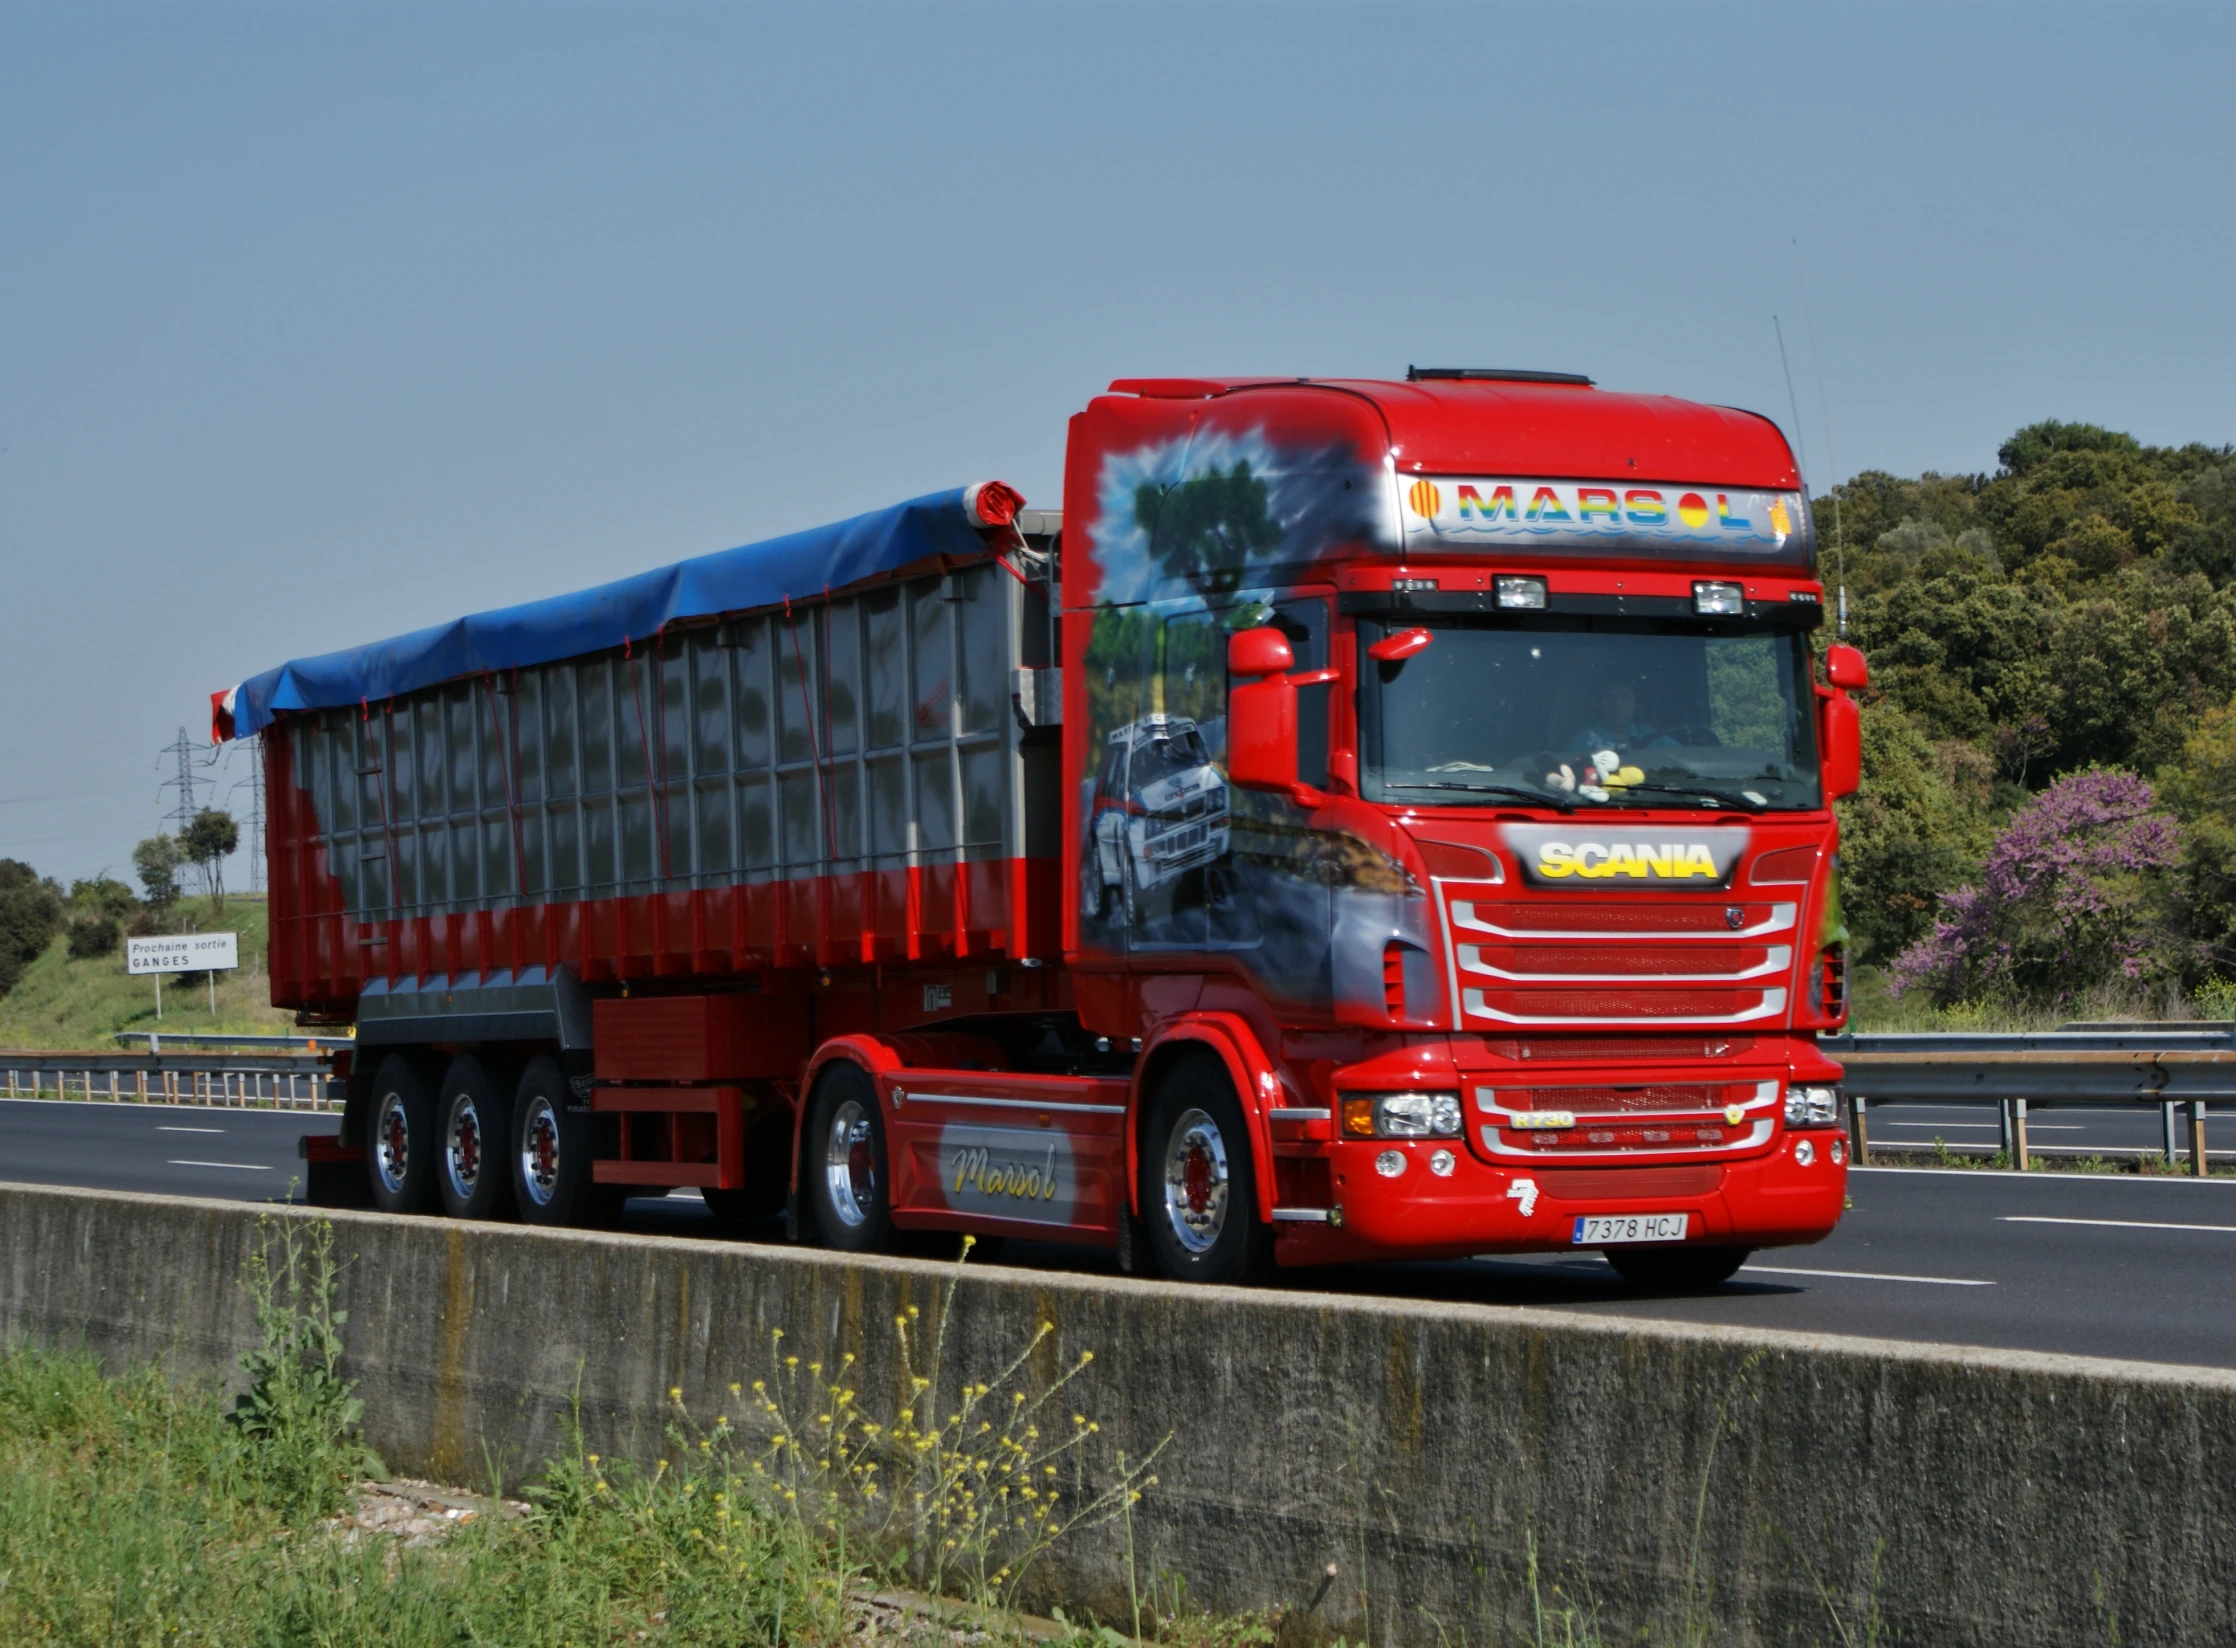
1968 1496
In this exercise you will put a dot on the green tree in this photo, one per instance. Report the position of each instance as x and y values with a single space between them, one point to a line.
206 843
31 913
2200 787
103 895
156 861
1917 829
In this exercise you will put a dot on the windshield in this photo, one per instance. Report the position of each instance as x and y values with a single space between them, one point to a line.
1589 713
1162 757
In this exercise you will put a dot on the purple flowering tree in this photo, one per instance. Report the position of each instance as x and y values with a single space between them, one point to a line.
2077 893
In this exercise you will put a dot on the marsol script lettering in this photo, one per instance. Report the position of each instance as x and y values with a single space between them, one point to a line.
976 1170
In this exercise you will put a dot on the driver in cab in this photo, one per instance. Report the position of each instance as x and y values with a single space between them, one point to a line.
1616 725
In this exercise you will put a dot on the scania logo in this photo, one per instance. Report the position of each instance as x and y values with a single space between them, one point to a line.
1555 855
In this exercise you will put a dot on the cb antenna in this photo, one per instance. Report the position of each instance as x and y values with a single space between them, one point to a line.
1824 409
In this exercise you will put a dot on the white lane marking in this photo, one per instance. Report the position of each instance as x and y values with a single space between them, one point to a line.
245 1167
2117 1224
2004 1176
190 1130
2032 1126
1866 1276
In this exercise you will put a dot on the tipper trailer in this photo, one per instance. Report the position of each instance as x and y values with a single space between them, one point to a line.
1371 819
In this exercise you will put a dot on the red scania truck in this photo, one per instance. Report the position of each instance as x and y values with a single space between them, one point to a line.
1372 819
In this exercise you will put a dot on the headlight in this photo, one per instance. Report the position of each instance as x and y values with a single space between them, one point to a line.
1812 1106
1720 600
1521 592
1402 1116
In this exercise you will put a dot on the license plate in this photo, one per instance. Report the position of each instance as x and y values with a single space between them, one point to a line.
1603 1229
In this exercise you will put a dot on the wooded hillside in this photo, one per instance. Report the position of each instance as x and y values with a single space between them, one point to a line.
2073 611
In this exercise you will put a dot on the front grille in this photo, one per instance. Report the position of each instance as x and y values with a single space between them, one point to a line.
1511 1124
1593 1006
1597 1101
1573 960
1579 1184
1550 962
1621 1047
1665 1135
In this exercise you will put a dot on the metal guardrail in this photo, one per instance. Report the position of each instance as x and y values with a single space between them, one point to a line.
268 1081
209 1038
2168 1065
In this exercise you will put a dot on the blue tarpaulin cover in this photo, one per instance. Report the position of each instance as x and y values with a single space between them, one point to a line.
628 609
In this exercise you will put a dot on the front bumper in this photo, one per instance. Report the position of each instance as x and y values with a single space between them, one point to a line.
1769 1200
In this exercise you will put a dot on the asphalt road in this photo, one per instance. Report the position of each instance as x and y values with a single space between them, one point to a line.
2100 1266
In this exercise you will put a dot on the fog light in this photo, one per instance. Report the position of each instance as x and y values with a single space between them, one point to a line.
1720 600
1804 1152
1390 1163
1839 1151
1441 1163
1527 593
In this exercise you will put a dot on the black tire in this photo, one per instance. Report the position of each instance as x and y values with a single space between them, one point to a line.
549 1154
844 1176
1676 1269
475 1141
1199 1184
400 1146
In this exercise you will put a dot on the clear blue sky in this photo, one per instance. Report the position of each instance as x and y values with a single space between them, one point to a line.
321 322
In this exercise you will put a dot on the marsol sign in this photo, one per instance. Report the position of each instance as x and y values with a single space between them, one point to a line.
1560 855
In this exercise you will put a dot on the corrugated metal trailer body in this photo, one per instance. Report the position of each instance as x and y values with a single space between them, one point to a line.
835 782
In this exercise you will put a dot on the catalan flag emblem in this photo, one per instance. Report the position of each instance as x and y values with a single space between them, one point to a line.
1425 499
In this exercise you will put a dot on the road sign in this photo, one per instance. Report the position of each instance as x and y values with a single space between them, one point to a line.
183 953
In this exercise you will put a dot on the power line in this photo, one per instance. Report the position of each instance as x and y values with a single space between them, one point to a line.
181 750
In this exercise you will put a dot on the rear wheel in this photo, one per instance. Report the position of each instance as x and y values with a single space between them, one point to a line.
471 1171
844 1175
550 1153
1199 1190
1676 1269
400 1150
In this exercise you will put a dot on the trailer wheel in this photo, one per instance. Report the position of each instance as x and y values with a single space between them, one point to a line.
1199 1186
474 1142
845 1173
550 1149
1676 1269
400 1153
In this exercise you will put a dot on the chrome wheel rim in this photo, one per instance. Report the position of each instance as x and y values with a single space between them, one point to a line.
850 1164
539 1151
462 1150
392 1143
1196 1181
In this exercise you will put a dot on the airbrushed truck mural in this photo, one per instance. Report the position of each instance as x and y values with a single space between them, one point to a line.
1212 518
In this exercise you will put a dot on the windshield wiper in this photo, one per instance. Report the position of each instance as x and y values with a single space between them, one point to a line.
1541 798
1727 798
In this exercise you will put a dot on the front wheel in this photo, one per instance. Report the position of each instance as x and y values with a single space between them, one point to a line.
844 1173
1199 1188
1676 1269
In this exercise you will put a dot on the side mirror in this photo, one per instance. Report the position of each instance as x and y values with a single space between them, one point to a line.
1252 653
1840 733
1844 666
1262 732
